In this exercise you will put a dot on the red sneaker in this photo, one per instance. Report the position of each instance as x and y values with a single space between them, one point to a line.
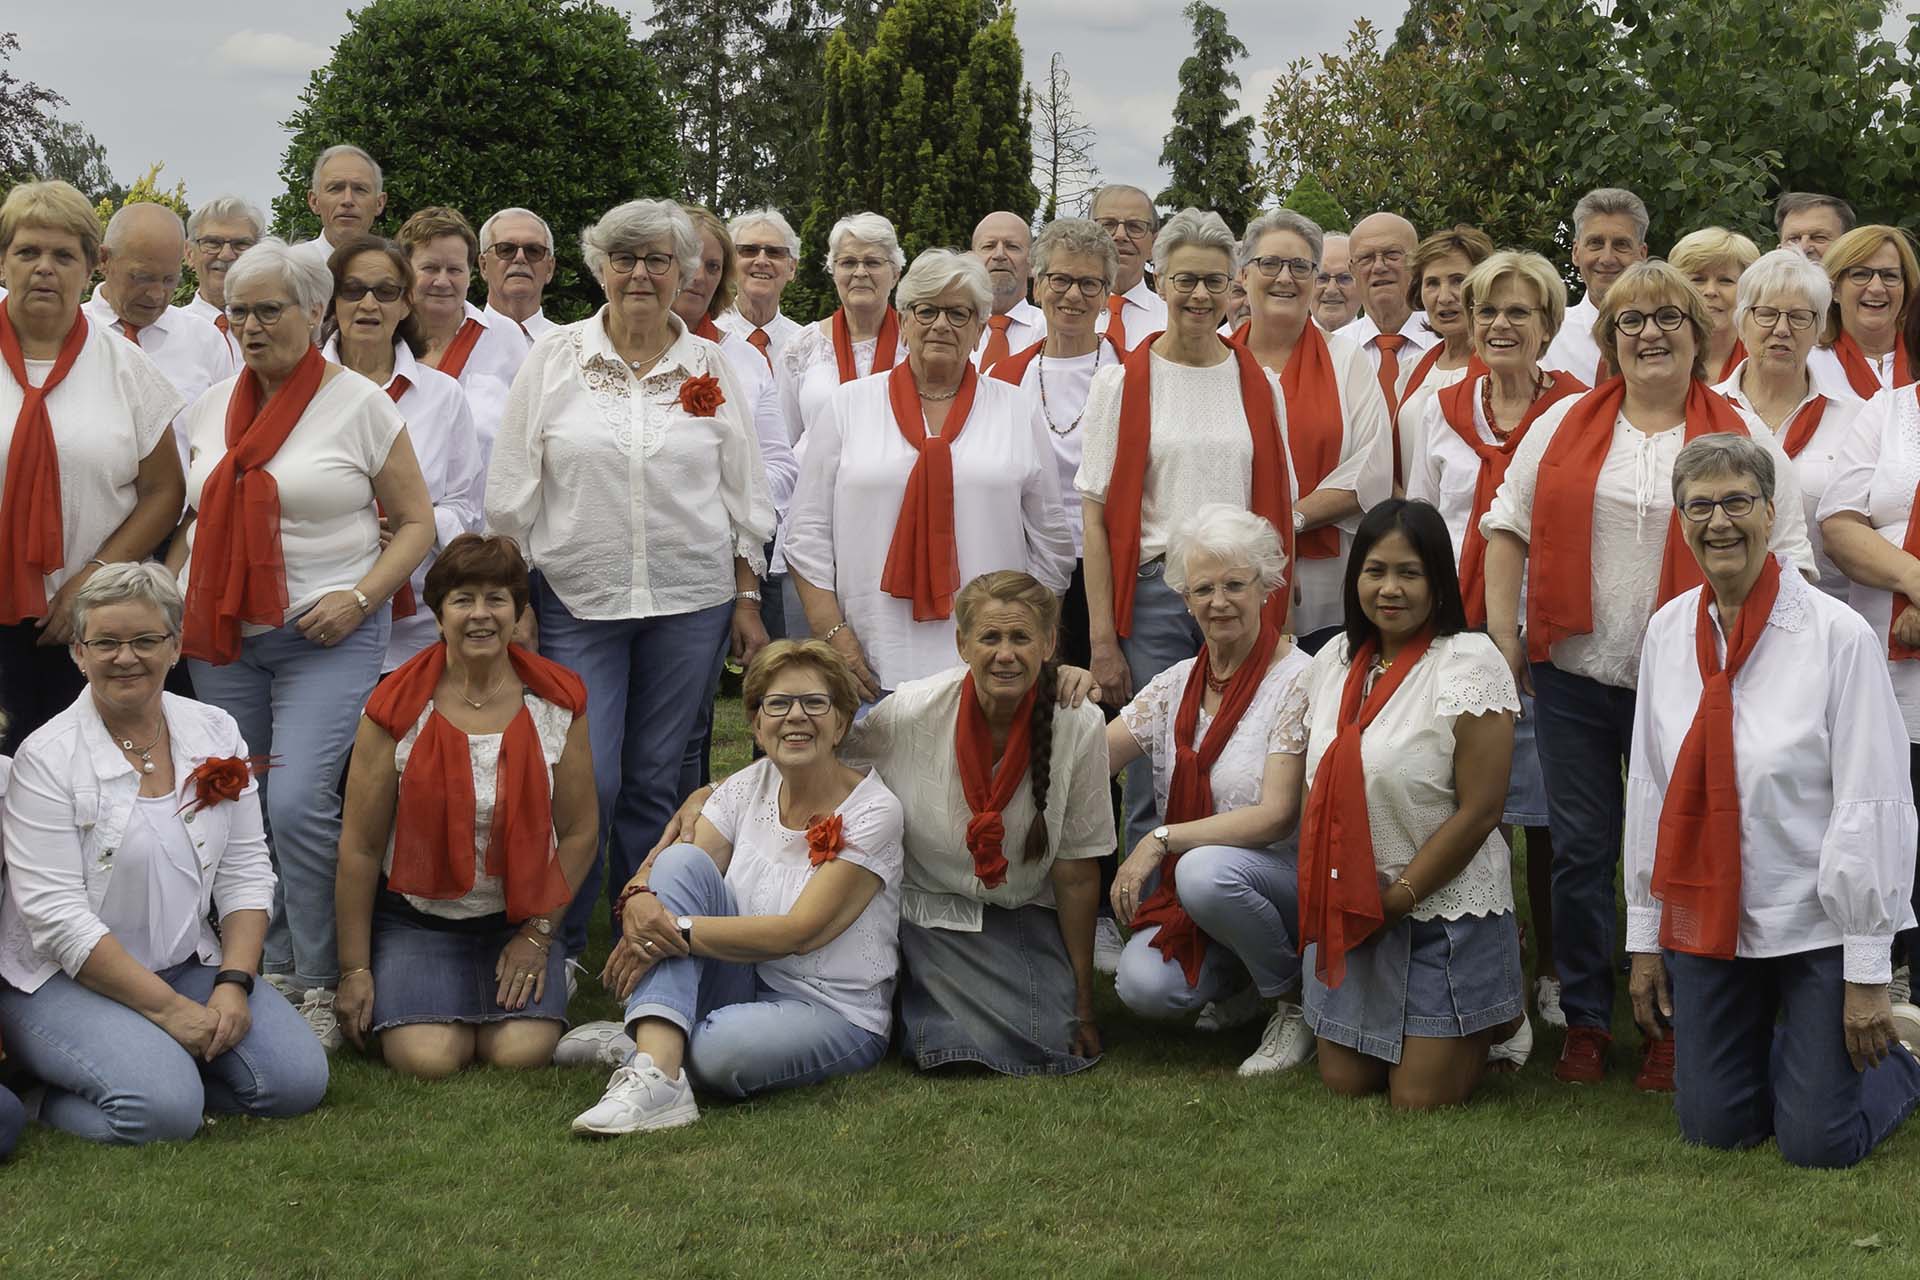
1656 1069
1583 1058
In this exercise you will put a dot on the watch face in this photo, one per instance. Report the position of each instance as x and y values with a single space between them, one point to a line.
684 923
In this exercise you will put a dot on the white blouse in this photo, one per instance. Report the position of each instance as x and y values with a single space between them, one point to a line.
489 372
908 737
1573 349
1828 372
1827 825
1413 424
1365 468
628 505
1408 754
769 426
151 904
770 868
1632 508
1006 515
1240 770
1060 414
808 374
329 534
1446 470
108 414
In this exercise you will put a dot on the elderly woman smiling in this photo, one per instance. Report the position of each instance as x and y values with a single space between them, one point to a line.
1775 918
1438 287
1874 274
863 334
1713 259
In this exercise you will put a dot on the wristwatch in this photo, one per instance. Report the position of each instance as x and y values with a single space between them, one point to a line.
1299 520
685 925
542 926
1162 834
238 977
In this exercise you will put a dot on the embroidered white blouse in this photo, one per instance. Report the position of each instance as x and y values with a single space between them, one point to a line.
1365 468
1827 824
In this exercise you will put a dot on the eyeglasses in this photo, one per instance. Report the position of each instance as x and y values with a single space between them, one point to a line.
506 252
774 252
1059 282
1388 257
1514 315
1214 282
1666 319
1343 279
1235 587
354 290
1891 277
1700 510
852 266
1134 227
1800 319
657 264
926 313
1272 265
143 646
212 245
267 313
778 705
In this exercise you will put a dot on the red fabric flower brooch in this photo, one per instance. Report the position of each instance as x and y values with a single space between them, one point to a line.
700 396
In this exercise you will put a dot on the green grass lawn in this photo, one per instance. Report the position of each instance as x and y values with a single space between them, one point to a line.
1158 1162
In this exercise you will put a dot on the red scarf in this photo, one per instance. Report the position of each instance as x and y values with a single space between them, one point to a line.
988 786
1805 423
1457 407
405 605
1190 793
1859 370
1734 357
239 574
454 362
1425 367
433 831
1560 583
707 329
1126 487
1316 425
1339 886
923 563
1014 368
1696 860
30 512
886 346
1910 544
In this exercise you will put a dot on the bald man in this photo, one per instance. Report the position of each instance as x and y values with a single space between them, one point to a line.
1127 214
1002 242
1395 336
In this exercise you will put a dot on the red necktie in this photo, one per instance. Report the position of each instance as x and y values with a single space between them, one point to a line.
997 348
1116 327
760 342
133 333
1390 344
224 325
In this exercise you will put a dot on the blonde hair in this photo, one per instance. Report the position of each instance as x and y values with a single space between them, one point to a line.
1471 243
1851 250
57 206
704 220
1529 269
1659 282
788 655
1699 250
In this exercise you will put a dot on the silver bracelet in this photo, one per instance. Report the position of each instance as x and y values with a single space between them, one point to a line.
838 627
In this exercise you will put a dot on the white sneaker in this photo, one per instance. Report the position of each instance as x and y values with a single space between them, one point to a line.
1900 990
284 984
1515 1049
573 969
639 1099
1906 1026
1284 1045
594 1044
1546 1003
316 1006
1237 1010
1107 946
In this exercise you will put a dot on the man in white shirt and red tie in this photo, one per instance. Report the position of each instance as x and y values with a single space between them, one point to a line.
1393 334
1609 235
516 261
766 255
1134 311
348 194
1002 242
218 232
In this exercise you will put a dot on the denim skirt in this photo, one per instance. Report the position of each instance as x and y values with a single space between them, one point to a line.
1527 788
1438 978
431 971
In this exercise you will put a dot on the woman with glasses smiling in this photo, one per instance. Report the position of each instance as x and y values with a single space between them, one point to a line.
863 334
1874 274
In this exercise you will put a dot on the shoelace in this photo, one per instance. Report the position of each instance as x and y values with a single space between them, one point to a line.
1276 1027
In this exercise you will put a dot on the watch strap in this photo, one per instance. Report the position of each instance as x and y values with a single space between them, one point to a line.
236 977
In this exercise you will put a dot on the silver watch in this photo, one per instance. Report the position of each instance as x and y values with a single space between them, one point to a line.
1164 835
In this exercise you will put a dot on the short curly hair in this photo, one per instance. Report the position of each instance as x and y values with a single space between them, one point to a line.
790 655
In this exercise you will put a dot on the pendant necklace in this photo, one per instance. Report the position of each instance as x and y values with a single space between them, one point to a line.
485 698
145 753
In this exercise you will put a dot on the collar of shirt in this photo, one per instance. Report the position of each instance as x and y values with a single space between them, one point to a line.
683 353
491 314
1142 295
1789 611
1731 390
404 364
100 311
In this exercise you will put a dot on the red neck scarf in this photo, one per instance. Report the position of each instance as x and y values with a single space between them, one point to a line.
1425 367
1734 357
1696 860
988 786
1190 793
433 832
1457 406
1805 423
1126 488
1860 371
1014 368
886 346
454 362
923 562
1560 583
1316 428
1910 544
405 605
707 329
238 574
30 512
1339 887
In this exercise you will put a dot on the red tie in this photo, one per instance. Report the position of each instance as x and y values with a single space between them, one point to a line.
760 342
224 325
1116 327
1390 344
997 348
133 333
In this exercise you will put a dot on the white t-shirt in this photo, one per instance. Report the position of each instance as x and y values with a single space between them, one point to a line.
1060 413
152 903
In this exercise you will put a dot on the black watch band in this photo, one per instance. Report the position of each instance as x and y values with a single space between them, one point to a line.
238 977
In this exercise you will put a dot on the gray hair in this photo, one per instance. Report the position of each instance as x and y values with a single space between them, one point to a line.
486 228
768 217
129 582
1781 270
630 226
348 149
1723 454
1202 229
1121 188
1602 201
228 209
1792 202
117 226
937 270
1075 235
1280 220
867 228
306 280
1232 535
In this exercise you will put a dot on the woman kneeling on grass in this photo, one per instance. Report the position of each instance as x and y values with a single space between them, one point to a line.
470 817
1413 958
761 954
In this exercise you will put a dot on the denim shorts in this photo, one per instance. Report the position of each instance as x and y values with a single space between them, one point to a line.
1434 978
423 974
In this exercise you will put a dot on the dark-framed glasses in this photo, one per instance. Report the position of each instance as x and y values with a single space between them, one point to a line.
1214 282
1058 282
1891 277
1272 265
774 252
657 264
1700 510
1799 319
778 705
385 291
1666 320
506 251
926 313
1135 228
267 313
213 245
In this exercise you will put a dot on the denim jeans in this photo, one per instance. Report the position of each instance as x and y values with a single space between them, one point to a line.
300 703
1163 633
647 679
1247 902
113 1076
1584 732
1743 1076
743 1037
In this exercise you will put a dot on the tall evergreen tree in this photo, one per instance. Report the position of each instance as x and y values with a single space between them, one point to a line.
1210 154
1315 201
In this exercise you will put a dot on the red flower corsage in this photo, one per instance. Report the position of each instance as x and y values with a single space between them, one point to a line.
220 778
824 840
700 396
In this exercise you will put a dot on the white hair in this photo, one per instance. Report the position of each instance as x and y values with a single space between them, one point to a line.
486 228
1231 535
1281 220
116 233
228 209
768 217
1075 235
1617 201
867 228
1782 270
1201 228
306 281
937 270
628 227
1122 188
348 149
128 582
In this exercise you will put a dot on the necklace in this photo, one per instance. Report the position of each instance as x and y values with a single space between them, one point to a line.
1217 683
1540 384
145 753
647 361
1048 413
486 697
928 395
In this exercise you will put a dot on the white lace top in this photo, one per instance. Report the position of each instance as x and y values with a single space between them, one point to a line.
1237 774
853 975
489 893
1408 752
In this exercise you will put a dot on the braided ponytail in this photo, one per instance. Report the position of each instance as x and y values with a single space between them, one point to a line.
1040 759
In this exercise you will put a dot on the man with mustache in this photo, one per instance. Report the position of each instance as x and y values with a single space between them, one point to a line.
1609 235
768 253
516 261
1002 242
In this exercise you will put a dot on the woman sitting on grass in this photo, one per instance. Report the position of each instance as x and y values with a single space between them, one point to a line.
760 953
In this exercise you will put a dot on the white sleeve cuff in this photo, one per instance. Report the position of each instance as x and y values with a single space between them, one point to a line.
1867 960
1643 930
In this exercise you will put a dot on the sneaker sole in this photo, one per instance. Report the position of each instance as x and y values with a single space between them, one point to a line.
678 1118
1277 1068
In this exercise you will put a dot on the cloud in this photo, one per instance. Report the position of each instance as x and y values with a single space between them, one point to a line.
273 51
1106 15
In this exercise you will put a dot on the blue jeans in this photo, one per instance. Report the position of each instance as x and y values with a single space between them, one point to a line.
743 1037
113 1076
1247 901
647 679
1163 633
300 703
1743 1077
1584 732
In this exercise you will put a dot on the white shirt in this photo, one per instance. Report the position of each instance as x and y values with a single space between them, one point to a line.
1006 515
1364 331
1827 825
69 807
489 372
1447 470
629 506
440 428
1365 468
329 535
150 905
530 330
781 330
199 308
190 353
808 374
1143 313
1061 415
1815 466
909 738
1411 422
1573 349
770 868
1632 508
1408 756
108 414
769 427
1827 371
318 250
1026 325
